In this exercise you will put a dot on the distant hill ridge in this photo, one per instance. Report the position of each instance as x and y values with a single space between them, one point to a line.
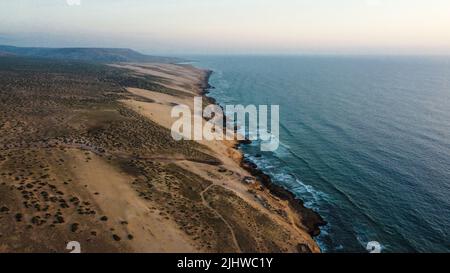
85 54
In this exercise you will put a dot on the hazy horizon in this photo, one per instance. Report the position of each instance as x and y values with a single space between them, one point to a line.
192 27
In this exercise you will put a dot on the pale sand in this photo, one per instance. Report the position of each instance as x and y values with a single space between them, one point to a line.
121 203
182 78
168 198
159 112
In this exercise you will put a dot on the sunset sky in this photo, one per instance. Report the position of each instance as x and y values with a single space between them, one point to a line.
233 26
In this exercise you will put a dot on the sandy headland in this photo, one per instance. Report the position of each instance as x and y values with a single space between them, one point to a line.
235 173
87 156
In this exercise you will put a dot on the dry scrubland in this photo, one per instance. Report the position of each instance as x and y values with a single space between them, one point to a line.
80 160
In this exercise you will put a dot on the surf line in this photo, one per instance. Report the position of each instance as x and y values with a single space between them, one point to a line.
208 123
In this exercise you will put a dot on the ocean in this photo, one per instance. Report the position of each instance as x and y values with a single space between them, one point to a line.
365 141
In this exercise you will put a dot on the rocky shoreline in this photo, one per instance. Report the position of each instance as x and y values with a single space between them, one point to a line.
309 218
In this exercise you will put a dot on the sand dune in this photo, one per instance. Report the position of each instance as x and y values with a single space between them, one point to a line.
87 156
232 175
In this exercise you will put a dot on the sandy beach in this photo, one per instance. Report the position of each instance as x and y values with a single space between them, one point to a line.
88 156
231 175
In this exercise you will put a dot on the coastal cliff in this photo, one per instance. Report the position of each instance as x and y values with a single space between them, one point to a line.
87 156
310 219
236 174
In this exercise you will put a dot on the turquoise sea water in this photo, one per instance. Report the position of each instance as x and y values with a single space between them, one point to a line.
365 141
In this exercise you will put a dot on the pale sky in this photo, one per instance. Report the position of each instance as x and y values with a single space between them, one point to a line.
232 26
